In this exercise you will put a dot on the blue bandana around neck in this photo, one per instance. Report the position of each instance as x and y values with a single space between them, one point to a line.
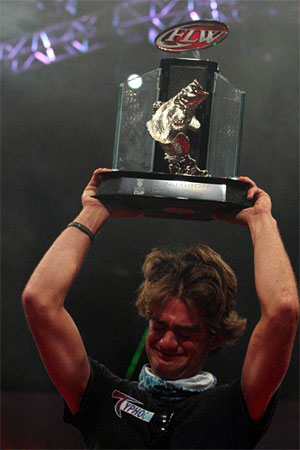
169 390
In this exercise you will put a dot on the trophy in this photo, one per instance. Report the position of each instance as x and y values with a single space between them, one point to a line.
178 134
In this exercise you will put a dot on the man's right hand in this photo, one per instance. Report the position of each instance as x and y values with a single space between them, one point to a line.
92 188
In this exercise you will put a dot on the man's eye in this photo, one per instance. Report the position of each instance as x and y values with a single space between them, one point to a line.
158 327
185 334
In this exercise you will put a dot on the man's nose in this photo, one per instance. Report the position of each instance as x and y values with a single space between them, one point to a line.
169 342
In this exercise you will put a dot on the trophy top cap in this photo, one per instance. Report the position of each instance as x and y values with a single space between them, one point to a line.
166 63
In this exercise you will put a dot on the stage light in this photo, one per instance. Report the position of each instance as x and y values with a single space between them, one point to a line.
58 6
53 44
158 23
42 58
45 39
134 81
191 5
152 33
81 46
215 14
194 15
50 54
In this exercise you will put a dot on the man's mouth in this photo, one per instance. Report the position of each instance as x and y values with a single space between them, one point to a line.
166 356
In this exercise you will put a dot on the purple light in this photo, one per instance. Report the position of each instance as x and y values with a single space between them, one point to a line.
152 33
93 20
40 5
213 5
152 11
215 14
234 13
71 6
168 7
17 48
81 47
191 5
272 12
52 44
14 65
158 23
77 25
45 40
194 15
34 43
51 54
27 63
41 57
115 21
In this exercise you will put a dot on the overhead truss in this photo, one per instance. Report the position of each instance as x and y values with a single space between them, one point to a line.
135 20
52 44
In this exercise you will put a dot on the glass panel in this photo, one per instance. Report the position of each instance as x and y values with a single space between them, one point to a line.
134 147
225 128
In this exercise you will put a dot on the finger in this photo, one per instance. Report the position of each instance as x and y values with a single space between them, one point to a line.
96 177
254 193
102 169
247 180
97 173
254 190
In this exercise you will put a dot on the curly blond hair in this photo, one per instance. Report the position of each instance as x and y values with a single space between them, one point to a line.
199 277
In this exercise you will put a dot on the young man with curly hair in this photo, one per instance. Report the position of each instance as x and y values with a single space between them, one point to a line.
188 298
198 282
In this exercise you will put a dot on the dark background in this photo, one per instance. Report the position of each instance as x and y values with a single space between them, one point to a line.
57 124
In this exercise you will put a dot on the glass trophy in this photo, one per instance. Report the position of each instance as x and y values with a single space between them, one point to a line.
177 143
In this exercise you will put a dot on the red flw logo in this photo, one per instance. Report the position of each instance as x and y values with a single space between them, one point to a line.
194 35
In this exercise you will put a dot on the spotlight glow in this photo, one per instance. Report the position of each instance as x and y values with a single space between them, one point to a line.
215 14
191 5
42 58
134 81
158 23
152 33
45 40
51 54
194 15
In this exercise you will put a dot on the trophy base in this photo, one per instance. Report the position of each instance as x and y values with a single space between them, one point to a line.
169 196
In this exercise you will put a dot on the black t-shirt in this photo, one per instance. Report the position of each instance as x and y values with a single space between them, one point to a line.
115 414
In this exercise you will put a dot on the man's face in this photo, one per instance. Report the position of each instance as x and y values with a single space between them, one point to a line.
176 343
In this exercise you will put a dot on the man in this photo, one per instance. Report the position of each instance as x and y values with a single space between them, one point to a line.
189 299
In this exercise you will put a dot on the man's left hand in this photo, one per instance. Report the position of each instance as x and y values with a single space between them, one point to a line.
262 205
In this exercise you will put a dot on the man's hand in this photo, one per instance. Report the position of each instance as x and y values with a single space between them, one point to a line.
262 205
91 189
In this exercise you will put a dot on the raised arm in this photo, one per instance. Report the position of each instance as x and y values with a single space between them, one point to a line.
54 331
270 347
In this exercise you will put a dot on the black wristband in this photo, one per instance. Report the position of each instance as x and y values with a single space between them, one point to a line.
82 228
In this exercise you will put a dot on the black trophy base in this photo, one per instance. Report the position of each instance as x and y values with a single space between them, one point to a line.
170 196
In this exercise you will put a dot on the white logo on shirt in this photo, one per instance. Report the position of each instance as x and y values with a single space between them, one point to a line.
129 405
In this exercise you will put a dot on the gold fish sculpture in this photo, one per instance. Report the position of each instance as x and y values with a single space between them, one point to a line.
169 124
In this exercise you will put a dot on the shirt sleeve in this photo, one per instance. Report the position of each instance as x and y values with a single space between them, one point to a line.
100 381
247 432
